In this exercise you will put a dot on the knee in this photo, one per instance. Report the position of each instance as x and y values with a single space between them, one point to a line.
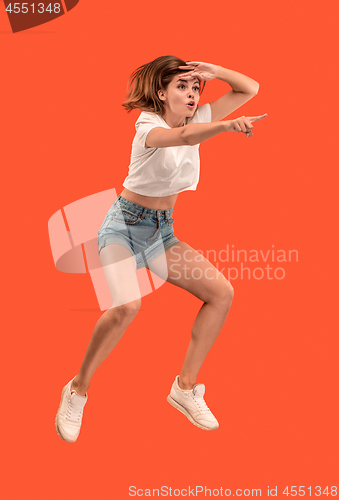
230 291
225 294
130 310
124 313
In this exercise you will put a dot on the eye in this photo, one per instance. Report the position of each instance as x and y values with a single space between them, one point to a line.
196 89
179 86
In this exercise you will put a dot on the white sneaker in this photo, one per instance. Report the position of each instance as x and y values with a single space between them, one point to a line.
69 416
191 403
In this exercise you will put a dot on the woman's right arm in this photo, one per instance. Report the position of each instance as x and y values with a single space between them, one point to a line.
195 133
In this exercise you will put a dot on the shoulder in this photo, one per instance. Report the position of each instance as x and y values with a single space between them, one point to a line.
144 124
148 118
202 115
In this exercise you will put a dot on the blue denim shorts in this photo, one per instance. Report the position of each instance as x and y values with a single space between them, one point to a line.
145 232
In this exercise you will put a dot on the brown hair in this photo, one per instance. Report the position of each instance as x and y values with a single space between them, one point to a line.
145 81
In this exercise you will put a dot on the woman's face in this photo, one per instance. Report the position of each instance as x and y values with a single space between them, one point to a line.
181 96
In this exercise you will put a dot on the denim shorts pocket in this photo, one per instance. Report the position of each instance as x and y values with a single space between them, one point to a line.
124 216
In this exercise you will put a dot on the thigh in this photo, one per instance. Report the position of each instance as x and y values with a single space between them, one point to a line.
191 271
120 271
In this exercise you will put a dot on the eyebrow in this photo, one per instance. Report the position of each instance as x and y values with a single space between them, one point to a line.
196 81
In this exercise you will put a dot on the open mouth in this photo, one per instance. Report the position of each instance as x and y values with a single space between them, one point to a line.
191 104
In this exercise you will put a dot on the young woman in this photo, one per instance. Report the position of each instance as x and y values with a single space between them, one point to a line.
138 228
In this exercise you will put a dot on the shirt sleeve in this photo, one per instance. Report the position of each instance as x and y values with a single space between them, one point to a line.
145 123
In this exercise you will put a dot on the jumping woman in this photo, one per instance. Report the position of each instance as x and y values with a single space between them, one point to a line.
138 231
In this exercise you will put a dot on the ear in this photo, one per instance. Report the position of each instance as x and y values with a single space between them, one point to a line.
162 95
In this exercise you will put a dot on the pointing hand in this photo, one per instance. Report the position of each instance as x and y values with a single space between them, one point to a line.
243 124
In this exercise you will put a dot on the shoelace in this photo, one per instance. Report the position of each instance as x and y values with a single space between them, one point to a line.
201 404
74 413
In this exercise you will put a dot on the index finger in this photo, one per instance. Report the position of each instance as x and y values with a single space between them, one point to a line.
256 118
188 66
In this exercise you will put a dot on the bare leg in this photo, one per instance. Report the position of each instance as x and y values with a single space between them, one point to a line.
197 275
205 330
119 267
107 332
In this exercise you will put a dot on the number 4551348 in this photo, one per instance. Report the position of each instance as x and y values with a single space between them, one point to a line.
39 8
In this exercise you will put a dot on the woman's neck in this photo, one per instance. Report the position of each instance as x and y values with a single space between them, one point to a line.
173 120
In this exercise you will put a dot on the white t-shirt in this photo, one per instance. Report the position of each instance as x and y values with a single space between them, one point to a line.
163 171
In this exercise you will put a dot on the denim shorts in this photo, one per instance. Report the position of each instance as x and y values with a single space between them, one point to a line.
145 232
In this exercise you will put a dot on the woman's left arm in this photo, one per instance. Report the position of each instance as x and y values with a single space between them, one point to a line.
243 87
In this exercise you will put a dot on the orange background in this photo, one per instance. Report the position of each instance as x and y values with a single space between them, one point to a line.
271 378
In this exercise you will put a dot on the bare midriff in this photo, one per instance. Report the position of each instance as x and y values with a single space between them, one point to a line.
155 203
